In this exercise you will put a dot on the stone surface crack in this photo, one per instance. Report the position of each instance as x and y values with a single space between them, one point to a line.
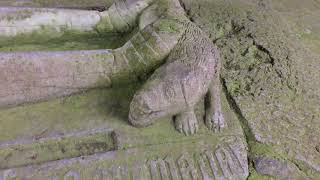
262 48
249 136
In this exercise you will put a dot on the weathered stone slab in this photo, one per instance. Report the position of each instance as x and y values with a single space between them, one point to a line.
277 168
198 160
152 152
37 151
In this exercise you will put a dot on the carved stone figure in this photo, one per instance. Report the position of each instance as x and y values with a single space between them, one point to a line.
74 84
191 70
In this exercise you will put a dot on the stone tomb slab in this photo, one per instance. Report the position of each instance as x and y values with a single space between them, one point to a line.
185 160
87 136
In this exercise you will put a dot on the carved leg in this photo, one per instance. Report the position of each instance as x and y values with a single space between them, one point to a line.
121 17
214 119
186 122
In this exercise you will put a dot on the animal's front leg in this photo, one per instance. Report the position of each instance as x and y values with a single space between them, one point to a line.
186 122
214 118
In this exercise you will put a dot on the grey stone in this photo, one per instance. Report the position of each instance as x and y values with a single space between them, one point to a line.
265 50
277 168
37 76
269 72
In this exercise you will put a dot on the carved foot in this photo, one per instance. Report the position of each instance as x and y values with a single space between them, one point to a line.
215 121
187 123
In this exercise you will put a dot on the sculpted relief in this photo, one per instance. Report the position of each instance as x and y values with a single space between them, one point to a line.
178 65
185 61
154 89
222 162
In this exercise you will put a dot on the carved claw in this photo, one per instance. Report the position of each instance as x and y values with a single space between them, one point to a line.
215 121
187 123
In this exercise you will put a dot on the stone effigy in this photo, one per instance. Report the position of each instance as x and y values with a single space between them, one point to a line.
192 66
191 71
73 90
184 65
73 71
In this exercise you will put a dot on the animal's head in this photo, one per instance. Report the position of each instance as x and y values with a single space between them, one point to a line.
150 104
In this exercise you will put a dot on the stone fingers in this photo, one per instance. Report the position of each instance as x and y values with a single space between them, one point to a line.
215 123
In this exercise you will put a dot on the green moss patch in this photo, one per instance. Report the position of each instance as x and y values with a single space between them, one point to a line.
52 41
54 149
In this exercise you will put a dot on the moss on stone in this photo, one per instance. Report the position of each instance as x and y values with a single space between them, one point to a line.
254 175
104 25
19 16
46 40
54 149
168 25
259 73
260 149
102 109
263 71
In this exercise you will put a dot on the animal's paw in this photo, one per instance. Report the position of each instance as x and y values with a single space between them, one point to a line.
187 123
215 121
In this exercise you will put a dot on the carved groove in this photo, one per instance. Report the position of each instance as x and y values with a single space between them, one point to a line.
141 60
187 168
155 34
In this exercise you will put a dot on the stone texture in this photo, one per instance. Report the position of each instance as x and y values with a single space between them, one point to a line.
36 76
269 72
191 71
85 139
277 168
152 162
270 53
44 150
94 114
119 18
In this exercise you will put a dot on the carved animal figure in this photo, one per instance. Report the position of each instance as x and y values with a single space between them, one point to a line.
191 72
